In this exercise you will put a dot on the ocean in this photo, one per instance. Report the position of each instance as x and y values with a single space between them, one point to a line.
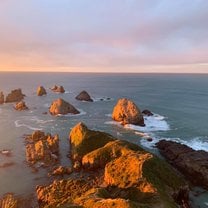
179 103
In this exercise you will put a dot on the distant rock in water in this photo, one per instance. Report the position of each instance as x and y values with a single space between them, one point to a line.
20 106
41 91
42 147
193 164
14 96
127 112
147 112
1 97
62 107
84 96
59 89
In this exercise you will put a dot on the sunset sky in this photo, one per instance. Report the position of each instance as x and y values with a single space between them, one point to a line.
104 35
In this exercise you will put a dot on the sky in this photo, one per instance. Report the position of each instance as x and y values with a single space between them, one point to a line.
104 35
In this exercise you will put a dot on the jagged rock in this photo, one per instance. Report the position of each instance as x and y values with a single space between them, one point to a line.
20 106
1 97
126 112
59 89
112 150
147 112
14 96
193 164
84 96
69 189
41 147
62 170
9 201
60 106
41 91
84 140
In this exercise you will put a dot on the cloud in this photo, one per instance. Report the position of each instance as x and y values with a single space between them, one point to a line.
118 33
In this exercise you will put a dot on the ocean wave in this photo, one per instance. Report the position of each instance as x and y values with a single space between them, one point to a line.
47 105
152 124
18 124
39 121
73 115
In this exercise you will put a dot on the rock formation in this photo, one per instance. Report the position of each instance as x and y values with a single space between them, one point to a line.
20 106
41 91
41 147
127 112
8 201
59 89
123 176
1 97
14 96
193 164
60 106
82 140
147 112
84 96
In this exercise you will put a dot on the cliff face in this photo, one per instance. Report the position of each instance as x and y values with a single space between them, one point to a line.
113 173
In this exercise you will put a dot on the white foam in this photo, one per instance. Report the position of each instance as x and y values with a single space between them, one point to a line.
108 115
39 121
113 123
98 99
152 124
18 124
73 115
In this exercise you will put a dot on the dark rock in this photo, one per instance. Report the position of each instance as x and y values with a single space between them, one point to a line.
182 197
127 112
147 112
193 164
1 98
84 96
15 96
59 89
20 106
41 91
62 107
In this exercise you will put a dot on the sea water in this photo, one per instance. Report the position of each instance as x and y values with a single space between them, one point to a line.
179 103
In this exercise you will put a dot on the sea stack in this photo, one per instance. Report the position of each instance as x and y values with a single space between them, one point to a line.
15 96
62 107
41 91
126 112
1 97
59 89
20 106
84 96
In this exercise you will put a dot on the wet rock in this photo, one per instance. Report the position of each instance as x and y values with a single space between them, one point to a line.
41 147
41 91
126 112
20 106
1 97
83 140
84 96
15 96
147 112
61 170
193 164
62 107
59 89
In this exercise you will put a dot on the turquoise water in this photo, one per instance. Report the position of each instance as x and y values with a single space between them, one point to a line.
180 104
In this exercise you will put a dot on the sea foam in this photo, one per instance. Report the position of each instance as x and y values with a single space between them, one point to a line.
18 124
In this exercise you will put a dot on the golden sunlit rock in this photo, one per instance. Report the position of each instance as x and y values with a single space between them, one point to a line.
41 91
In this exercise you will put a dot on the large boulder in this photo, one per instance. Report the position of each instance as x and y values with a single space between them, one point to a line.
1 97
20 106
59 89
193 164
14 96
62 107
126 112
83 140
42 147
84 96
41 91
